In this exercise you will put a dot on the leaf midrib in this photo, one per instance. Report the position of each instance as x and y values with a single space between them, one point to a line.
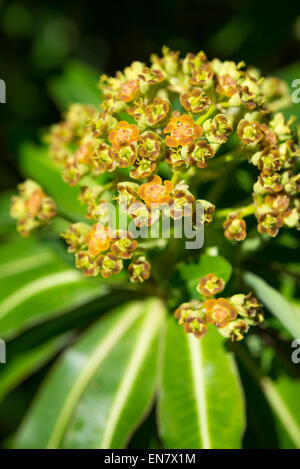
36 286
197 368
146 336
98 356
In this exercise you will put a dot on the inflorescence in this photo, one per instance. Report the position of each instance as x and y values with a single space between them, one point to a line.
158 128
231 316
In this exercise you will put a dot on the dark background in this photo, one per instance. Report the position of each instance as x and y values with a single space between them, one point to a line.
39 39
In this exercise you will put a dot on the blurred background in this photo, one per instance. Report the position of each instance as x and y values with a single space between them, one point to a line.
53 50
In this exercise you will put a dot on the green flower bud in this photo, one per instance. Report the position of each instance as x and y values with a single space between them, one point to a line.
192 317
210 285
85 263
75 236
139 270
218 129
109 265
235 330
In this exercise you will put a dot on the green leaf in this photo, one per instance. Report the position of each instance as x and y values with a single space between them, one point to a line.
102 387
280 393
289 74
78 83
26 363
276 303
192 272
35 163
201 401
37 285
282 397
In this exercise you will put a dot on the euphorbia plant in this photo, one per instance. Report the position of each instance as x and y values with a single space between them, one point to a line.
162 142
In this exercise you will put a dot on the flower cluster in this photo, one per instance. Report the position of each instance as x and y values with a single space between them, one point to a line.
159 132
231 316
32 208
272 148
100 250
92 142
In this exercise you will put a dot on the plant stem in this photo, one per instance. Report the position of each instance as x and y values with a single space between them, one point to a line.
174 178
203 118
242 211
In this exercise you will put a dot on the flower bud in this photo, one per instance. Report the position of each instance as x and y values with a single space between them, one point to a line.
143 168
102 159
269 223
157 112
210 285
127 193
249 132
98 239
73 172
150 145
154 193
235 330
32 208
235 227
125 155
218 129
208 210
203 76
196 101
181 204
226 85
192 317
198 154
75 236
85 263
280 127
142 215
182 130
123 244
270 181
109 264
219 312
248 307
139 270
268 159
123 134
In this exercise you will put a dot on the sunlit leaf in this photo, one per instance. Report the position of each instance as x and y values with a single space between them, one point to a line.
276 303
201 400
36 285
102 387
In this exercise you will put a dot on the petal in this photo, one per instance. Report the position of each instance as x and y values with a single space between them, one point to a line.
142 191
198 131
123 125
168 186
172 142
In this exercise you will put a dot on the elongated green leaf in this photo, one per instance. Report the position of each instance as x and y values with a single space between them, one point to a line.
282 397
36 284
276 303
20 367
280 393
36 164
102 387
192 272
201 402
